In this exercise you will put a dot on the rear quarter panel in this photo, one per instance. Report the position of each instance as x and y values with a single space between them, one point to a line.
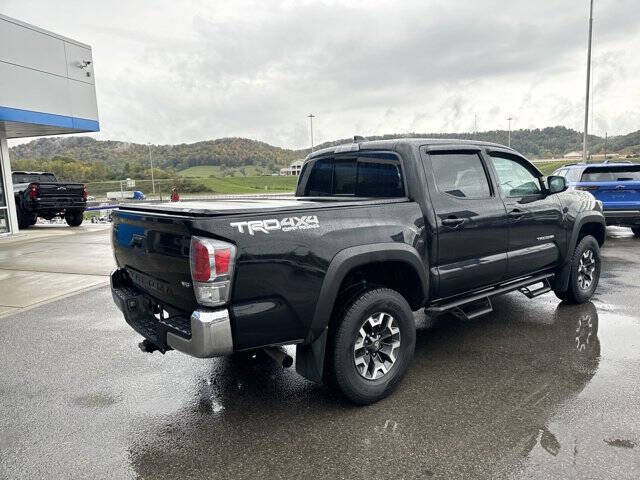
279 274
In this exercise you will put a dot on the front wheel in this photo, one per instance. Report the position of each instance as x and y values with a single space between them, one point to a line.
24 219
636 231
371 346
74 219
585 272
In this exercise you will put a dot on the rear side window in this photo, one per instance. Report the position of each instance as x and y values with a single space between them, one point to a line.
460 174
354 177
612 174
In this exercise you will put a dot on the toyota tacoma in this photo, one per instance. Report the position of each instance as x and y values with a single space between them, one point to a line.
376 230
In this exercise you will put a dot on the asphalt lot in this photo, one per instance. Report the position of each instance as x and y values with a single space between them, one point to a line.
536 389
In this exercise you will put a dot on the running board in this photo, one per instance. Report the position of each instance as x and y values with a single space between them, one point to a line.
546 287
473 310
504 288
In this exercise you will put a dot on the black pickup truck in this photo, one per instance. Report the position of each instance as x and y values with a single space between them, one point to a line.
39 194
377 230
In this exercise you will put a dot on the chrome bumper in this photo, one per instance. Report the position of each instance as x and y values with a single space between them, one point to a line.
210 335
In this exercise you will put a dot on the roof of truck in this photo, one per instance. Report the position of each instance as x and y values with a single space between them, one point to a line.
390 144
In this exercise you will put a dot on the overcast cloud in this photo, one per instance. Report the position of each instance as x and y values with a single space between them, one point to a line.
185 71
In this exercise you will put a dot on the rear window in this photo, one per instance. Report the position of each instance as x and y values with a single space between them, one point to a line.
378 175
32 177
612 174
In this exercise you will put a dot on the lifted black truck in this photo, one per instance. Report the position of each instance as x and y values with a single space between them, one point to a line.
377 230
39 194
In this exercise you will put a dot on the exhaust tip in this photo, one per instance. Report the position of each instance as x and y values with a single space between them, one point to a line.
280 356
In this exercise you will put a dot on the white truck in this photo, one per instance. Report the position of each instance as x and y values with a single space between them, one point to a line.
126 195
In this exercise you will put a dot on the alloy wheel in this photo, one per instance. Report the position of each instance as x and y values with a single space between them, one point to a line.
376 346
586 269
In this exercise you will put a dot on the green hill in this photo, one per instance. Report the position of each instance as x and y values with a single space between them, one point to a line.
89 160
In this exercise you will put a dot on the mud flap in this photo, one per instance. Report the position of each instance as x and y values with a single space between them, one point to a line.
310 358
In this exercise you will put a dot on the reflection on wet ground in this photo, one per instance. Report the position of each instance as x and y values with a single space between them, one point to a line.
537 389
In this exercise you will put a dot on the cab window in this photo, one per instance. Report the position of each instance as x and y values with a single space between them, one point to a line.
460 174
514 179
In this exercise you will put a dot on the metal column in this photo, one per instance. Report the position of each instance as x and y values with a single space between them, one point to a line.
8 206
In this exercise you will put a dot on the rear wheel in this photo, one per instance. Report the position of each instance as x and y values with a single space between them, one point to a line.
74 219
636 231
585 272
371 346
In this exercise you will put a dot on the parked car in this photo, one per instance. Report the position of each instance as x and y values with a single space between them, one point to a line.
615 184
376 231
39 194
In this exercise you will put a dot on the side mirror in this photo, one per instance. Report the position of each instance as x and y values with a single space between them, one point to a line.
556 184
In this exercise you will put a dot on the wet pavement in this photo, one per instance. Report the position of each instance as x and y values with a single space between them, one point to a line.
536 389
50 261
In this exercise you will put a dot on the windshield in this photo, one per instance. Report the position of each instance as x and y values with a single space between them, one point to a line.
18 177
612 174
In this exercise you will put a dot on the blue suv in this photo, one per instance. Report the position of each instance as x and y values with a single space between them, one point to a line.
616 185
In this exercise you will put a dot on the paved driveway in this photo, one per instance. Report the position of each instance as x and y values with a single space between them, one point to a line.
47 262
536 389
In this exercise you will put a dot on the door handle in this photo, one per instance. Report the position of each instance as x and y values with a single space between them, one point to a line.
453 222
516 213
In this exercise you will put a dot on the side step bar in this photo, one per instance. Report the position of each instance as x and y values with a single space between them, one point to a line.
473 310
546 287
520 285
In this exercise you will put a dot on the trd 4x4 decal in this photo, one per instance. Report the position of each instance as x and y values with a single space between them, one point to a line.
286 224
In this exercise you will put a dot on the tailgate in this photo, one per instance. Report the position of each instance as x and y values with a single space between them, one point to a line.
617 195
60 193
155 252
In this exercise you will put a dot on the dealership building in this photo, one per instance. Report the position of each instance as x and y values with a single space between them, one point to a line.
46 88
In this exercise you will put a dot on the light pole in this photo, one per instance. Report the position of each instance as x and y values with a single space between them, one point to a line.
586 101
311 116
510 118
153 183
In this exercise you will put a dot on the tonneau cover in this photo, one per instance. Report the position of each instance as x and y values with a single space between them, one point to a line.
250 205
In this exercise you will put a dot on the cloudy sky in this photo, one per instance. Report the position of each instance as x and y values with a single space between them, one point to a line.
182 71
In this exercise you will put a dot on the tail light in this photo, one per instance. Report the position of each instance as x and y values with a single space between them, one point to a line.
84 192
587 188
212 263
33 191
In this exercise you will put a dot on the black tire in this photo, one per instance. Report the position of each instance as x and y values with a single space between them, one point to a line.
579 291
636 231
340 367
23 219
74 219
33 219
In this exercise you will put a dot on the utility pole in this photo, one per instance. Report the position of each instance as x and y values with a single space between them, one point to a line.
153 183
311 116
510 118
605 145
586 101
475 124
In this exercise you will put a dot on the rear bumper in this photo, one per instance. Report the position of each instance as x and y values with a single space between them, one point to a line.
205 333
622 217
56 205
